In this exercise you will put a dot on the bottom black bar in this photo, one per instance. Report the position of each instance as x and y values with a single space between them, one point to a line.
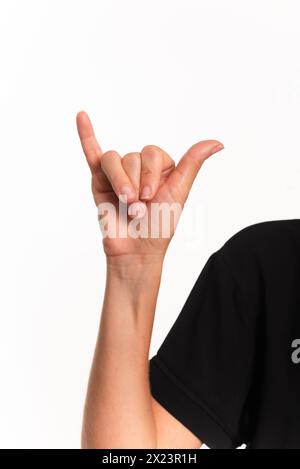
93 458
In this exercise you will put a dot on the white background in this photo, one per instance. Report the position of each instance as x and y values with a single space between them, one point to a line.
165 72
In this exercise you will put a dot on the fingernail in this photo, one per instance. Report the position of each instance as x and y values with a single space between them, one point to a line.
137 210
217 148
127 192
146 192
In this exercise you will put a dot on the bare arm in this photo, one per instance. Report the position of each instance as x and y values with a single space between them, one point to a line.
120 411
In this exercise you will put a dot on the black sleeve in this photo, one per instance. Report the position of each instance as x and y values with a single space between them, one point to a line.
202 372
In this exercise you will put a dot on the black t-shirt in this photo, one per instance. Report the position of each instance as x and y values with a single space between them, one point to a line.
229 369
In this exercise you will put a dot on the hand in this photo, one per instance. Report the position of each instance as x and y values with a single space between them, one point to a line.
145 177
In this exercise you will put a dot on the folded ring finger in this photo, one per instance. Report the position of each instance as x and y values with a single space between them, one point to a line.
131 163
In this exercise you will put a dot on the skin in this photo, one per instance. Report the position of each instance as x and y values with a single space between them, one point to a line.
119 409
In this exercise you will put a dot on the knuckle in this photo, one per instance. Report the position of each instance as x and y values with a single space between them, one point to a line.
109 154
94 153
151 150
106 159
146 171
152 159
195 162
91 149
131 156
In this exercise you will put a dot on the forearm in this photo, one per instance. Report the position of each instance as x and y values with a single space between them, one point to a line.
118 410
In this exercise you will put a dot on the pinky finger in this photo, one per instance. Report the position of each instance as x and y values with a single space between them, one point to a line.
90 146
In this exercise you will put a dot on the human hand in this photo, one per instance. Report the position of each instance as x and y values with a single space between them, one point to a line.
146 178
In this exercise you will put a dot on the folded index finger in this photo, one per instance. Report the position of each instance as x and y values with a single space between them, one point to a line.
90 146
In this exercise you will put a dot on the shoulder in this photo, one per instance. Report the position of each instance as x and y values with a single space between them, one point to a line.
261 243
263 234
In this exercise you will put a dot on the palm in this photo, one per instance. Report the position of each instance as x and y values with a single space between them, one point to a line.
103 192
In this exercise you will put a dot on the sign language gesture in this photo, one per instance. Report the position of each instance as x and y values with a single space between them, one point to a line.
136 181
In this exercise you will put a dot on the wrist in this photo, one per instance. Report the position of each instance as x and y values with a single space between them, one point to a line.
135 276
134 265
132 286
